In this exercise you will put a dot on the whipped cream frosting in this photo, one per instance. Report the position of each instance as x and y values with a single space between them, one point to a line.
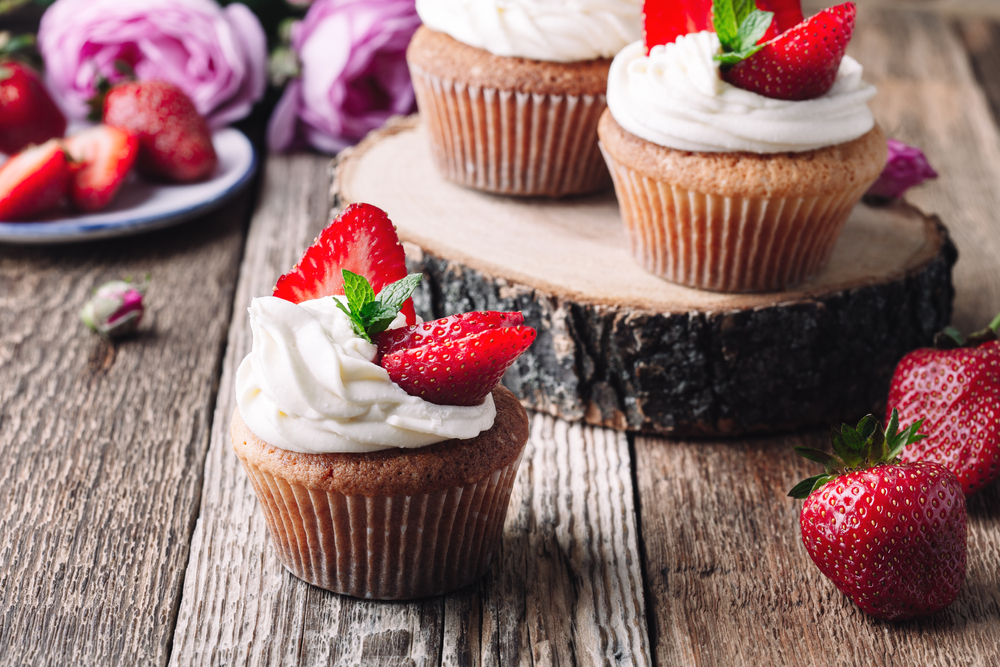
674 97
553 30
309 385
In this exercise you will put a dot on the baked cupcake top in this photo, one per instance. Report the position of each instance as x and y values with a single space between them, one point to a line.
552 30
674 97
310 385
340 362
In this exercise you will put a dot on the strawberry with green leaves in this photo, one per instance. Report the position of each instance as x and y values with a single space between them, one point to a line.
362 240
666 20
800 63
955 387
456 360
890 535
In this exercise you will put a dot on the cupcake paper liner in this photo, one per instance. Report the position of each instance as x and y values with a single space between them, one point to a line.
510 142
728 243
386 547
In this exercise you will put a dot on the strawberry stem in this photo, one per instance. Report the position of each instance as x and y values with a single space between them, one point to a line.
951 338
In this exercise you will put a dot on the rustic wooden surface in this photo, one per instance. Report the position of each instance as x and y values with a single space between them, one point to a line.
129 535
729 580
102 444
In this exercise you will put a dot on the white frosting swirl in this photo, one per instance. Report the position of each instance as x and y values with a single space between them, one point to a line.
309 385
674 97
553 30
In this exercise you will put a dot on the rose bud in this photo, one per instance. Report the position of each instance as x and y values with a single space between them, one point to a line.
906 167
115 309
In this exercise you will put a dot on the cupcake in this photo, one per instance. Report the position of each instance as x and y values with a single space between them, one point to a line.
740 189
381 448
511 91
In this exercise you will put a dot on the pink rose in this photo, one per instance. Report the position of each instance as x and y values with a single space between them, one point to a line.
354 74
906 167
217 56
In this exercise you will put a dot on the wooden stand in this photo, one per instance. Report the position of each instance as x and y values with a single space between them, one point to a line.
620 347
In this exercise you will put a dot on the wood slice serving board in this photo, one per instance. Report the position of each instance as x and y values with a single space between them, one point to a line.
622 348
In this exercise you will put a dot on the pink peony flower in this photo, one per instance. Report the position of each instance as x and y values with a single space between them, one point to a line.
354 74
217 56
906 167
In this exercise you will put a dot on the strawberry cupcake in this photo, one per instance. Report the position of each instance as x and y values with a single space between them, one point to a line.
511 90
736 164
381 449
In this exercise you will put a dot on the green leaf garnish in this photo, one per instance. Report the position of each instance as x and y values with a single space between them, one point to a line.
370 315
739 25
856 448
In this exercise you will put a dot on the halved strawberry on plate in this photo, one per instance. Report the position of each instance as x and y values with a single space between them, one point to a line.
362 240
105 155
34 181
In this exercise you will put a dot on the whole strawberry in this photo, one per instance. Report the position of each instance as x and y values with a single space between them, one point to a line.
27 113
175 143
800 63
955 387
890 535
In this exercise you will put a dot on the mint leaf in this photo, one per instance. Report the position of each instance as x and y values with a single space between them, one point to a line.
356 322
358 290
739 25
743 9
396 294
370 314
726 25
752 28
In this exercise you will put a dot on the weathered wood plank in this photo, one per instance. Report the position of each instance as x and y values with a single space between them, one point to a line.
102 444
733 584
730 581
568 589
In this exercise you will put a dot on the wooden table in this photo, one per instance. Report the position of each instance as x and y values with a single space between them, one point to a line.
129 533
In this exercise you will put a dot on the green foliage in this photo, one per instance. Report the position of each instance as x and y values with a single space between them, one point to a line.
370 314
856 448
739 25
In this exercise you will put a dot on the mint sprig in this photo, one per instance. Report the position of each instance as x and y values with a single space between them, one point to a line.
370 315
739 25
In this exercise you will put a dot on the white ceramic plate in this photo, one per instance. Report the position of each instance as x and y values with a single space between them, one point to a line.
142 206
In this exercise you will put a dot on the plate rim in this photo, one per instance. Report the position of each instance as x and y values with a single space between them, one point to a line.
56 231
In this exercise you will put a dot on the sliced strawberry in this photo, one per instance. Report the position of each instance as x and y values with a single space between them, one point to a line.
666 20
458 371
453 327
362 239
787 15
34 181
801 63
106 154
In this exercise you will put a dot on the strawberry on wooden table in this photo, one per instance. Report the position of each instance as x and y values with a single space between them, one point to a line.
34 181
800 63
105 155
362 240
955 388
175 143
890 535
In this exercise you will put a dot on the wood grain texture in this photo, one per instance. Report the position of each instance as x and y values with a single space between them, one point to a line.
568 589
102 444
730 582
